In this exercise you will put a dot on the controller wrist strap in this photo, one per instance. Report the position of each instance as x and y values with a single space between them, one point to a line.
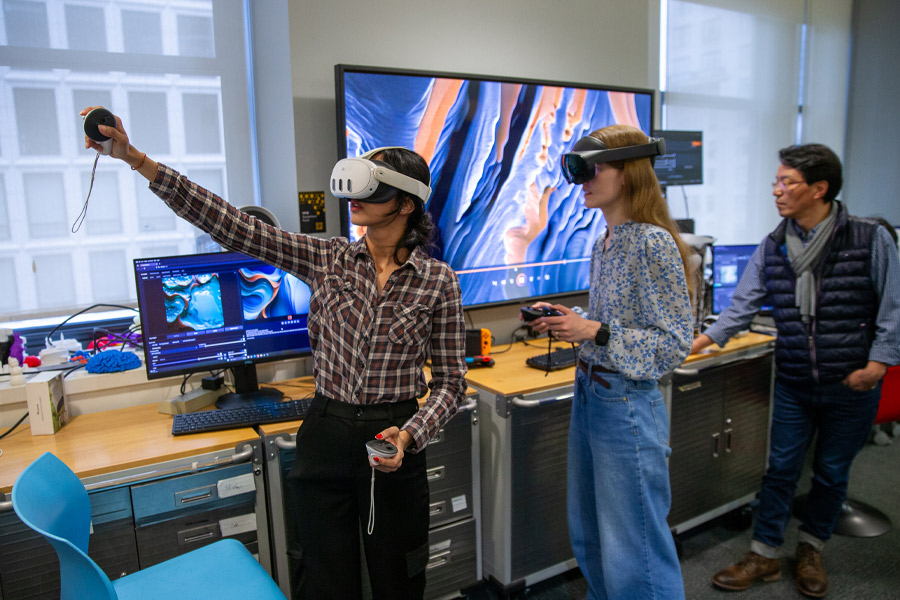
83 214
371 526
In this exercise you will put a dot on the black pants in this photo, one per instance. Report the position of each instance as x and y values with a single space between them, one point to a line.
328 491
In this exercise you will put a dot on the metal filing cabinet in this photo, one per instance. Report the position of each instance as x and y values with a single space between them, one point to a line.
523 465
455 500
719 409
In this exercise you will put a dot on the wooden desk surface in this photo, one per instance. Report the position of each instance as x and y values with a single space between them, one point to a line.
110 441
744 342
511 376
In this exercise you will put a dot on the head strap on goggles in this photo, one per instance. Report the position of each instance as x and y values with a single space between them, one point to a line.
374 181
578 165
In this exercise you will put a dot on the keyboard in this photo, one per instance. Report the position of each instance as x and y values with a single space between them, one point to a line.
559 358
257 413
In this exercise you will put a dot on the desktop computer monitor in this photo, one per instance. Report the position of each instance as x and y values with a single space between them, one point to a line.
682 164
728 264
208 312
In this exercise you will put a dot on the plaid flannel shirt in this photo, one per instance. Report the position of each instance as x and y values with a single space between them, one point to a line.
366 348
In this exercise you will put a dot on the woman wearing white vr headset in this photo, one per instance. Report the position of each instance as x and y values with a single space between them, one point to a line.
379 307
638 328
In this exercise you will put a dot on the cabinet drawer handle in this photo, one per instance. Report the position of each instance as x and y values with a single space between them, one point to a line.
196 497
686 372
523 403
198 537
438 560
715 445
727 441
437 439
436 508
435 474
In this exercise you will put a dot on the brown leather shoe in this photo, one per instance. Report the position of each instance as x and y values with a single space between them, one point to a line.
811 578
749 570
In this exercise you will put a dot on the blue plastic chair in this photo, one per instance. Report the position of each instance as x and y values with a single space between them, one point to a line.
49 498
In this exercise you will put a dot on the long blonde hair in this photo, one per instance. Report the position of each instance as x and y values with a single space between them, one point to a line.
641 189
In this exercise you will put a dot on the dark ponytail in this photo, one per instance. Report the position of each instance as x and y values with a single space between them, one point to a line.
419 226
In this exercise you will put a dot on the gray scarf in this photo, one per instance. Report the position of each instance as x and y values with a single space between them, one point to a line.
803 260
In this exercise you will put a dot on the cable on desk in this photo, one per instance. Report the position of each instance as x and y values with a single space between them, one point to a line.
11 429
512 340
74 368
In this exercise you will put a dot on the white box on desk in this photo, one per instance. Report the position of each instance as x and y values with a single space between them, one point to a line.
47 407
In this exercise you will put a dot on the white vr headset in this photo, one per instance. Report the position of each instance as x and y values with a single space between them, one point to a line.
373 180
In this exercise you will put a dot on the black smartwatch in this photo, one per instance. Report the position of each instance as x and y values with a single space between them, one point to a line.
602 336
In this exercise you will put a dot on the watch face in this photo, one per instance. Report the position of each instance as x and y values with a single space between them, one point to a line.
602 336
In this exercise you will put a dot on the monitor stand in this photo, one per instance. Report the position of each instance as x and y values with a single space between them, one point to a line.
246 389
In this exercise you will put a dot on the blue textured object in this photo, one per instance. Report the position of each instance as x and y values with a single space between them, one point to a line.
50 499
112 361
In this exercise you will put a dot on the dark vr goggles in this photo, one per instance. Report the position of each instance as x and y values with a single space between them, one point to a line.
373 181
578 165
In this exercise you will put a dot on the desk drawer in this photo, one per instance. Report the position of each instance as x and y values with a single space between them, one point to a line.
450 504
452 558
198 492
164 540
449 471
454 436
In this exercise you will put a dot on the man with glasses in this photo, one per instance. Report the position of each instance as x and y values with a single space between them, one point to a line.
834 282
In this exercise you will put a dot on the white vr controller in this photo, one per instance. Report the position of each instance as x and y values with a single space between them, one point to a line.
381 449
99 116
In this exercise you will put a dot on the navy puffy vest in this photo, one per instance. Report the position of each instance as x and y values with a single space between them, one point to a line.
835 342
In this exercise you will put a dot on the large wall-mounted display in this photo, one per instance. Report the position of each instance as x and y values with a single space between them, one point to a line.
509 223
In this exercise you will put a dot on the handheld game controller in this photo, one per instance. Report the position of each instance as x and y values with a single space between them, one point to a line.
99 116
380 448
479 361
530 313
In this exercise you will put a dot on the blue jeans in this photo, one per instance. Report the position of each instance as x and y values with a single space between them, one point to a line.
840 419
618 490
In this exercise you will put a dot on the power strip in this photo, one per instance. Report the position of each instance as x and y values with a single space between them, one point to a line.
191 401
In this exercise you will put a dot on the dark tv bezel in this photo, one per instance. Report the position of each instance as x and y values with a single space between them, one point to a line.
240 364
341 69
699 134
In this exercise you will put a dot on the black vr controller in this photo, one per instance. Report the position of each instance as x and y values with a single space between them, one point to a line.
530 313
99 116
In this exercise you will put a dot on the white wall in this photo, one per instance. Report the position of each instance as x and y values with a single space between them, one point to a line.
871 177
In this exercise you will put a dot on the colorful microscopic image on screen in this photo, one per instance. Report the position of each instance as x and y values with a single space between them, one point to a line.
193 302
509 223
267 292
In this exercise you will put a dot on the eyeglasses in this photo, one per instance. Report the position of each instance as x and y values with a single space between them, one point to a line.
784 183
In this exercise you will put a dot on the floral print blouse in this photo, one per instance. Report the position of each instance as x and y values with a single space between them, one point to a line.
639 288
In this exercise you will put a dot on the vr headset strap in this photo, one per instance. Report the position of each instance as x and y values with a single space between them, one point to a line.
398 180
656 147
